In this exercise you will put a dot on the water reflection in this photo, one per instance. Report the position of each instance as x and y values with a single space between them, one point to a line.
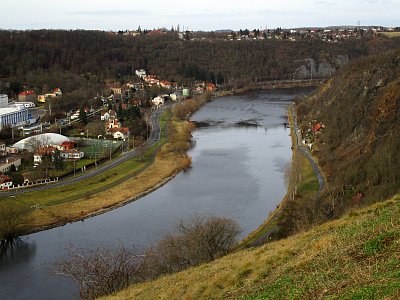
14 252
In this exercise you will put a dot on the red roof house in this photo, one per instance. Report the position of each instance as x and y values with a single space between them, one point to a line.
317 127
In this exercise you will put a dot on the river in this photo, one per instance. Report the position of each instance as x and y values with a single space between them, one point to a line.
240 152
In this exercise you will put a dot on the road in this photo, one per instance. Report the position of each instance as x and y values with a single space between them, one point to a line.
155 135
304 150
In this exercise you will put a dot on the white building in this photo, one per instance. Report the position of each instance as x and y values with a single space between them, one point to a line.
25 104
140 73
157 101
14 116
72 154
6 163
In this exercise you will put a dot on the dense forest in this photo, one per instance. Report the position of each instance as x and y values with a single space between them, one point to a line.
358 146
73 60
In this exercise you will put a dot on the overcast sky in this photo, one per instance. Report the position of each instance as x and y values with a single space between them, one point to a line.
194 15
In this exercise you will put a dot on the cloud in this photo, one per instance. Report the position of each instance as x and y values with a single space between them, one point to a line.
104 13
325 3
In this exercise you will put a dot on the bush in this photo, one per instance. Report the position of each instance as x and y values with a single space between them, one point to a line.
198 240
11 218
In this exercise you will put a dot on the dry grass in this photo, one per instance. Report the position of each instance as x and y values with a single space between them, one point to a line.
356 257
391 34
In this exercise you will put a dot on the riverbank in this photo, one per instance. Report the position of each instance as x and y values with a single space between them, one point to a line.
101 194
302 183
146 178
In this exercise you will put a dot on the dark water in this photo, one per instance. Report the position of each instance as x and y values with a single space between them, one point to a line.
241 149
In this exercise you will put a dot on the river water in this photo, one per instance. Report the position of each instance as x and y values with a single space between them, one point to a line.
241 149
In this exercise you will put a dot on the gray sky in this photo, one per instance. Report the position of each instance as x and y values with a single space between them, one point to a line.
194 15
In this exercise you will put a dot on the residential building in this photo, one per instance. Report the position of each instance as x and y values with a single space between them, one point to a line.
6 163
113 123
105 116
115 88
158 101
41 98
72 154
140 73
27 96
166 84
67 145
48 150
12 150
211 87
5 182
3 150
119 133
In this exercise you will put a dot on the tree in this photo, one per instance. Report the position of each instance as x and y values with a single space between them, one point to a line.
82 116
101 271
199 239
58 160
11 219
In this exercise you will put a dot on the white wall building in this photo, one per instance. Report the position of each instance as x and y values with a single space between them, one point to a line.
157 101
14 116
5 164
72 154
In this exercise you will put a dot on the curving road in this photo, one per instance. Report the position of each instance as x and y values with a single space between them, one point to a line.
155 134
304 150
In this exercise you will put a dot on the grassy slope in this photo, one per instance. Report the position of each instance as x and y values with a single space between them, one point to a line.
356 257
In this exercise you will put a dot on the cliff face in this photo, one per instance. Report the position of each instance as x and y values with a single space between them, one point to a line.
327 67
360 110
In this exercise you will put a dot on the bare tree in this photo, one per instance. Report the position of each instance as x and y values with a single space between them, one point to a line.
105 271
101 271
200 239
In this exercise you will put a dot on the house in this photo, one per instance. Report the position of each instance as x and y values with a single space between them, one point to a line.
317 127
119 133
41 98
72 154
157 32
157 101
66 145
151 80
48 150
12 150
140 73
165 84
113 123
211 87
105 116
113 114
3 149
115 88
6 163
5 182
56 93
27 96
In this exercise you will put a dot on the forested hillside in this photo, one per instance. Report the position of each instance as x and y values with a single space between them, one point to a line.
358 149
72 59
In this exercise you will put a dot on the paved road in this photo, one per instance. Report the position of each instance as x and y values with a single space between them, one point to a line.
153 138
304 150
